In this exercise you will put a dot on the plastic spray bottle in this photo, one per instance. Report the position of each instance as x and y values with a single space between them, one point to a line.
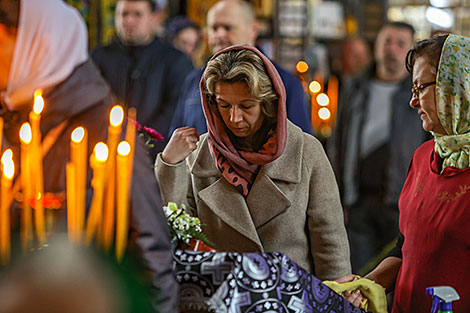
442 297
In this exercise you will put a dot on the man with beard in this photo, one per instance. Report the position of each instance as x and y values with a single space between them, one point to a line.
372 146
232 22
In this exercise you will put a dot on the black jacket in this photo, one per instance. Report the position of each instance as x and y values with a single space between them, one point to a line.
148 78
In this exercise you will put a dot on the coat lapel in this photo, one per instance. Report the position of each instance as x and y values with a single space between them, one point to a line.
230 206
269 196
276 181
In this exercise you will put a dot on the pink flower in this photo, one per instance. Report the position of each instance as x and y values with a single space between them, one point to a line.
137 125
153 133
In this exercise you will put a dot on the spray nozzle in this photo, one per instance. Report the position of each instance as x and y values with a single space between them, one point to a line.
442 296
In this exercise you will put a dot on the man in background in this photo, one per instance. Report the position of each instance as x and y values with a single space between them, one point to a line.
143 71
232 22
373 143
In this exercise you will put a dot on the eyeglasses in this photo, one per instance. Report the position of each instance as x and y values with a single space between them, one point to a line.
417 89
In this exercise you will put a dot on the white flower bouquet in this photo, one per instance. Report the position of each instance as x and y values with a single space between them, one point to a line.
184 227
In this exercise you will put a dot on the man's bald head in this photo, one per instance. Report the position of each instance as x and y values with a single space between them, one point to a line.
231 22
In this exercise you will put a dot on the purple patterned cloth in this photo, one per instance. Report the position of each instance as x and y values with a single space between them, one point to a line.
251 282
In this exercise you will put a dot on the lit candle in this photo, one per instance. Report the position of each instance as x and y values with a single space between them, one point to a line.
71 202
26 185
1 132
123 183
38 186
116 118
78 153
7 177
130 135
98 163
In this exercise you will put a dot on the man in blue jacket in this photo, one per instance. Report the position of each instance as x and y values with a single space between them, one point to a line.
232 22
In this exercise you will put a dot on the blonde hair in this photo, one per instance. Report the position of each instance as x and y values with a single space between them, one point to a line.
242 66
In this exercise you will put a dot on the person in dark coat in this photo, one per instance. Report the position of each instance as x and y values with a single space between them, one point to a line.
75 95
372 145
232 22
143 71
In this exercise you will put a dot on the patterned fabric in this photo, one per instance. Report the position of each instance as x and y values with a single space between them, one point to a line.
240 168
453 102
251 282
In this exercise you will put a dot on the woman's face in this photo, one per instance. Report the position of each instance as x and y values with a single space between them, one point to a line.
424 96
240 111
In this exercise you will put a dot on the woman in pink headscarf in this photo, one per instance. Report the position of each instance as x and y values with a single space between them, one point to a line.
256 181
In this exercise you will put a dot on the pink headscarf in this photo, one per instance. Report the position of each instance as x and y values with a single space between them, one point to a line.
241 167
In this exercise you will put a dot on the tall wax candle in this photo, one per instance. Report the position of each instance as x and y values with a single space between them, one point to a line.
114 131
98 164
78 155
123 182
26 186
38 186
7 177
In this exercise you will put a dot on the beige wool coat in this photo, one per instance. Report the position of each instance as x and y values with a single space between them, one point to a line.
292 207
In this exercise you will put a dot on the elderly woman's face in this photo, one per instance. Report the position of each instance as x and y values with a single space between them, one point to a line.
240 111
424 95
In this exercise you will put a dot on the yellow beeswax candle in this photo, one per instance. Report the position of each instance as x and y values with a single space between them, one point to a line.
71 202
98 163
7 177
130 136
78 155
38 186
114 131
26 186
123 182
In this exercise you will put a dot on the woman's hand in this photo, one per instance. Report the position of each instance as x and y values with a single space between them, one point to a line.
355 296
183 141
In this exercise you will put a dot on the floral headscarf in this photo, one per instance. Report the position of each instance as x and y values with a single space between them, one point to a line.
453 102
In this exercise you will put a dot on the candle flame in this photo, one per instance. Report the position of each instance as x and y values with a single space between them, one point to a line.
116 116
38 104
314 86
8 168
38 93
301 67
78 134
323 100
124 148
7 156
324 113
101 151
25 133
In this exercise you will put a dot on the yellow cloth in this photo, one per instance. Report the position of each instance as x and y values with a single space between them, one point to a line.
374 301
